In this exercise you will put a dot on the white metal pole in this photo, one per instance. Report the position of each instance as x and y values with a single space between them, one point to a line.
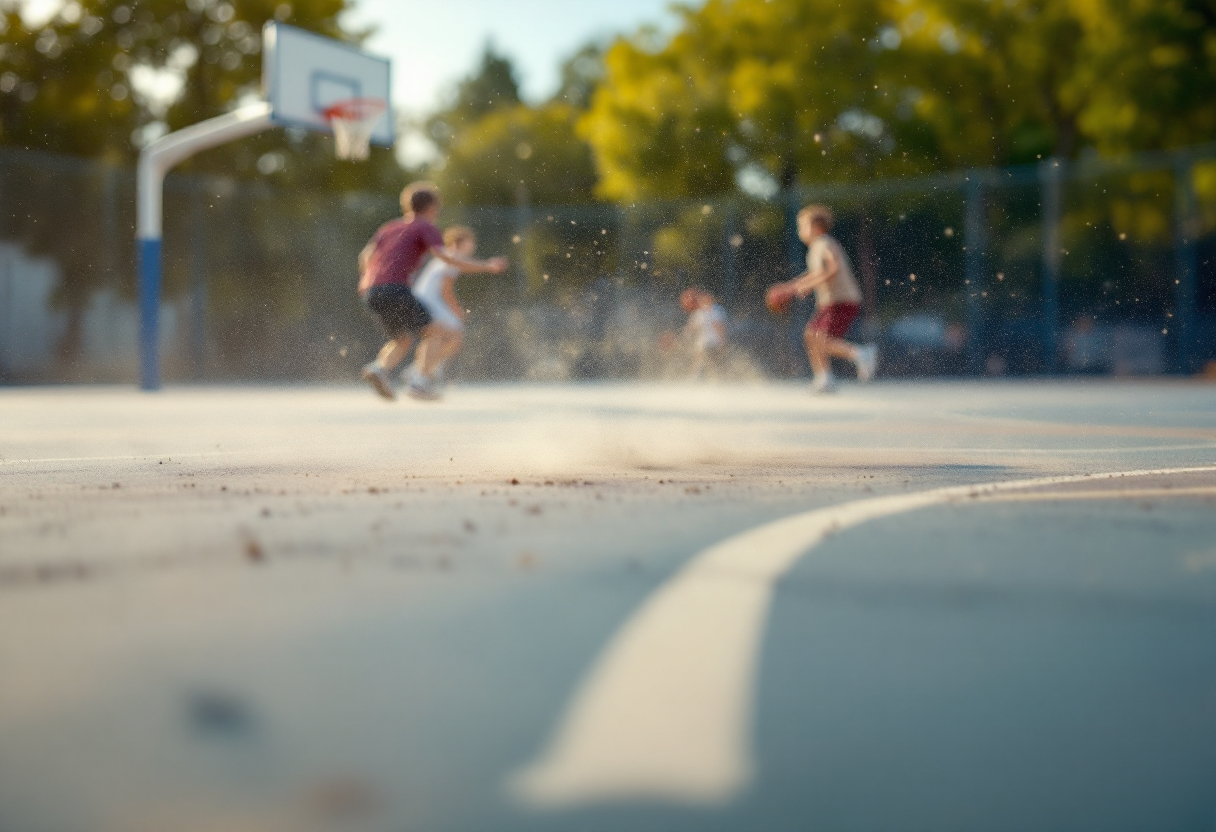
156 159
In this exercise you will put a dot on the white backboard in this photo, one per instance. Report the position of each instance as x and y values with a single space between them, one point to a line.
305 72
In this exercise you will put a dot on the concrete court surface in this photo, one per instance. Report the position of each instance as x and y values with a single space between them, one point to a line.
911 606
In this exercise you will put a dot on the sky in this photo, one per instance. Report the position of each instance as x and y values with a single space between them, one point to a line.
435 43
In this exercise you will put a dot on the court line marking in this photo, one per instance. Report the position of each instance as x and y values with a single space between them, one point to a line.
117 458
995 451
1112 494
666 711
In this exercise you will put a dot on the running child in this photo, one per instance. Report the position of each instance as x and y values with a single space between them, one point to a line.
387 266
837 301
435 289
706 327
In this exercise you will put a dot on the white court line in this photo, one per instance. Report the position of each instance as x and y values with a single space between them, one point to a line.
996 451
116 458
666 711
1102 494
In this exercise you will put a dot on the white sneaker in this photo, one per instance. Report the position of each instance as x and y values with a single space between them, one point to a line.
374 375
867 362
823 384
420 387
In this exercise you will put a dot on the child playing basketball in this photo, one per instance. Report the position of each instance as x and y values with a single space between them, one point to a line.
387 266
837 301
435 289
706 327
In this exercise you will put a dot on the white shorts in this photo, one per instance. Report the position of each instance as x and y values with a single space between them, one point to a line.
440 312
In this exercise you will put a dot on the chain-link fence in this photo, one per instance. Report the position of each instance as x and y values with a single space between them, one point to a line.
1090 267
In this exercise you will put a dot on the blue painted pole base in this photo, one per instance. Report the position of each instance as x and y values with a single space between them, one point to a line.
148 258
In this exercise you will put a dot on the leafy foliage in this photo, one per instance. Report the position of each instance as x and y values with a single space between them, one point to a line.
499 151
521 154
491 86
763 93
103 77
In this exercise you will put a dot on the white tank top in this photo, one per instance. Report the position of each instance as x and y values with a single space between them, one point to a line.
429 283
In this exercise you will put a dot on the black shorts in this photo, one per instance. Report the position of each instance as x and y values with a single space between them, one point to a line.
398 311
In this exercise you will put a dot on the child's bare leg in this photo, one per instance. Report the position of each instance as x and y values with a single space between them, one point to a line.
392 352
436 347
451 345
816 351
698 363
430 358
840 348
426 347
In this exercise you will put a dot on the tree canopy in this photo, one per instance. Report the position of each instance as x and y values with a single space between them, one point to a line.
751 94
500 151
103 77
762 93
491 86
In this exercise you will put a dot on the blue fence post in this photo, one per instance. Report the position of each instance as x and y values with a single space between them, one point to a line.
148 252
198 282
1051 174
730 271
975 235
1186 264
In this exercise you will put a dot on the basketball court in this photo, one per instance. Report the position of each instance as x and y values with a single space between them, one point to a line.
603 606
599 606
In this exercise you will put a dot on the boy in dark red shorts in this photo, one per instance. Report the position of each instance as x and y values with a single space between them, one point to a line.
387 266
837 301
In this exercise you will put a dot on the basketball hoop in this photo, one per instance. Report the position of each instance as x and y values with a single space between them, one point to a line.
353 121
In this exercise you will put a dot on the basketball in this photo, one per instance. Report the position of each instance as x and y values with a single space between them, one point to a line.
779 298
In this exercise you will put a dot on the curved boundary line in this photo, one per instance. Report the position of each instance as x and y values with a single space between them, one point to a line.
665 713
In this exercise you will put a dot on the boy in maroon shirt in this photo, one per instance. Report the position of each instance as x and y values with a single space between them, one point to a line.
387 266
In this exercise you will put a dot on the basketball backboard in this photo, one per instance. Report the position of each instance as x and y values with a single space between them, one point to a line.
306 73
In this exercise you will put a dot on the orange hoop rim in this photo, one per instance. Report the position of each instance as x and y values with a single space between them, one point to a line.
355 109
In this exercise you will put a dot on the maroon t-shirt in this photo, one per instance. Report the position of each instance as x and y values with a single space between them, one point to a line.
398 248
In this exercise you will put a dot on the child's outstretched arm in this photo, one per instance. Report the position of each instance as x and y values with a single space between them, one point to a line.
806 282
495 265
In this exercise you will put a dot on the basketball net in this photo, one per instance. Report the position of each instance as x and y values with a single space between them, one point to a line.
353 121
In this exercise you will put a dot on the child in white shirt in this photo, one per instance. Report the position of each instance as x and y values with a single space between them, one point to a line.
706 327
435 289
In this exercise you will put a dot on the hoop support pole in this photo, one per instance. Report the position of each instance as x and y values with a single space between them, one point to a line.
155 160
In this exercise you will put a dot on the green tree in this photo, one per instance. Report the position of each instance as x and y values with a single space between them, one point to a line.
998 82
765 93
491 86
1153 68
104 77
529 154
63 87
497 150
758 92
581 75
1013 81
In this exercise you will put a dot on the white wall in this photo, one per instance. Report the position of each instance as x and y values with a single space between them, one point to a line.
29 328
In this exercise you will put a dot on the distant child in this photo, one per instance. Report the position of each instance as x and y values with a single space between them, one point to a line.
837 301
706 327
435 289
387 266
